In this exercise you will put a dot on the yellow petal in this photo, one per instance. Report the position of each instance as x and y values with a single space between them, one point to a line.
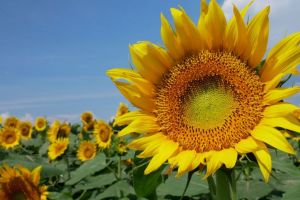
165 152
201 24
143 142
215 23
150 60
247 145
231 30
279 110
151 149
134 78
272 137
145 124
170 39
264 162
242 42
228 157
186 31
213 164
129 117
284 57
278 94
36 175
184 160
199 158
288 122
258 32
273 83
136 97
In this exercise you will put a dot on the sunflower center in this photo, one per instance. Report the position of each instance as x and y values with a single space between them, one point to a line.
10 139
88 153
19 196
104 135
209 101
25 131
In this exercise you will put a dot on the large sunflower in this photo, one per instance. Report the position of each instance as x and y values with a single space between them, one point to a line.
9 137
20 183
208 97
122 109
58 148
25 130
86 151
40 124
103 134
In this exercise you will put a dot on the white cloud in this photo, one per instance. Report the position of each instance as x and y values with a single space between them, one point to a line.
284 15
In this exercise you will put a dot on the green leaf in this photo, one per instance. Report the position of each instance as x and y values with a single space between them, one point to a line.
175 186
65 195
292 193
145 185
96 182
119 189
88 168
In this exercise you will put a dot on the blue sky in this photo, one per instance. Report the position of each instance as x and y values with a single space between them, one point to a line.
54 54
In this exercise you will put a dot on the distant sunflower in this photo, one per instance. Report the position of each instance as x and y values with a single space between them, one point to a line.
1 120
58 148
122 109
58 130
102 134
121 147
208 97
86 151
20 183
9 137
87 117
12 122
25 130
40 124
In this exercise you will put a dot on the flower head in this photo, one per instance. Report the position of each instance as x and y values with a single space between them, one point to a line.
103 134
12 122
40 124
9 137
202 99
122 109
58 148
58 130
86 151
20 183
25 130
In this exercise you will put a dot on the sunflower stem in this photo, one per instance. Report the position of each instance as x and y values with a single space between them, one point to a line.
212 187
225 184
119 167
190 174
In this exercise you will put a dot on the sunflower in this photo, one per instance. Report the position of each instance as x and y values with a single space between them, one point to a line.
40 124
122 109
103 134
208 97
58 130
86 151
87 119
1 120
20 183
9 137
25 130
58 148
121 147
12 122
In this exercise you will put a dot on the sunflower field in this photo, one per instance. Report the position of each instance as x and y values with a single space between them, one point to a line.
210 121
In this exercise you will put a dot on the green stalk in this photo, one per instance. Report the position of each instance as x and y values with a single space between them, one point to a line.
224 185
